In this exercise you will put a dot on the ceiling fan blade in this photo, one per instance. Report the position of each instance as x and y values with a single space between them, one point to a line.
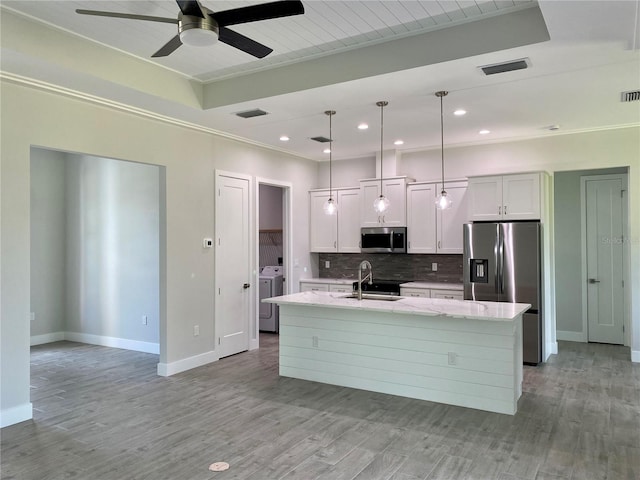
130 16
243 43
169 47
190 7
254 13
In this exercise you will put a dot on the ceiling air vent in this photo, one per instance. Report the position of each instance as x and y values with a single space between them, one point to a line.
321 139
251 113
506 66
631 96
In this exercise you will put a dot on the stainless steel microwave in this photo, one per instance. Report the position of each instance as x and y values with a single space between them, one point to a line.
383 240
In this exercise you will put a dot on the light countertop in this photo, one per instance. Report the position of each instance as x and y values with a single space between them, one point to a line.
333 281
490 311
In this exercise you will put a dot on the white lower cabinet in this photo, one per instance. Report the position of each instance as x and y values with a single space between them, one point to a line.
314 287
341 288
448 294
415 292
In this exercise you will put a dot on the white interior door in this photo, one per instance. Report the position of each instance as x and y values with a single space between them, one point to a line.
604 259
233 265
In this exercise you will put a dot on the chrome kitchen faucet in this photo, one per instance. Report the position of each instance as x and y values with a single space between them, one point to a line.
363 265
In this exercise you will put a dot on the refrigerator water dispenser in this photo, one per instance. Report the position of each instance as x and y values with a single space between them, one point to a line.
479 270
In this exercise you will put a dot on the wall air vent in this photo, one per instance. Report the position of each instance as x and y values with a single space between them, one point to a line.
321 139
251 113
631 96
505 66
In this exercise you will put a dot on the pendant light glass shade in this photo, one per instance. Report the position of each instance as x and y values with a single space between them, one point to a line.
330 207
442 201
381 204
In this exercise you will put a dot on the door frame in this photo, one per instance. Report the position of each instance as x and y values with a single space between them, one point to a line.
252 261
625 251
287 248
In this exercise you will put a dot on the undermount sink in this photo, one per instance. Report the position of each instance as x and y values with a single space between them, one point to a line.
374 296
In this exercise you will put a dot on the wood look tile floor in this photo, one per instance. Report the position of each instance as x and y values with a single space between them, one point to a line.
103 413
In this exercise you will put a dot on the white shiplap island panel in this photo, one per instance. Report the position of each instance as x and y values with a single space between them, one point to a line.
414 347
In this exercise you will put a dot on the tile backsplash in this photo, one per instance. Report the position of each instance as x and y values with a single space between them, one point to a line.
393 266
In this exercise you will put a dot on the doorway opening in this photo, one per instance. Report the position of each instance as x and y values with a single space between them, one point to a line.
588 294
273 250
96 246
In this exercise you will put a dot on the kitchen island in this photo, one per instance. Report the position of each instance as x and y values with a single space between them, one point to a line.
448 351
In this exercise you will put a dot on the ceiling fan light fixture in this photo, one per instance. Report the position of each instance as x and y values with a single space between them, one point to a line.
198 37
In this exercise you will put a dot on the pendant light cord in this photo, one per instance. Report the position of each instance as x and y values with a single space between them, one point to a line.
381 104
442 93
330 113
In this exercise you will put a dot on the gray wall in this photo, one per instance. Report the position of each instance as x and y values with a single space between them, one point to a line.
270 207
94 246
568 243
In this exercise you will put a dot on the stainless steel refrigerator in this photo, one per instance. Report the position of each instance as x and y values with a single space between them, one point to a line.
502 263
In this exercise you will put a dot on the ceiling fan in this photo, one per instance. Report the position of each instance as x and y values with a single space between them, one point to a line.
199 26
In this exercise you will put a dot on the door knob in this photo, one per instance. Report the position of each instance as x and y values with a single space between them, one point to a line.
593 280
246 285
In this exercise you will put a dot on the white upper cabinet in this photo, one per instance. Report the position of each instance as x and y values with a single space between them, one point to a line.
349 220
395 189
323 228
505 197
421 218
335 233
450 221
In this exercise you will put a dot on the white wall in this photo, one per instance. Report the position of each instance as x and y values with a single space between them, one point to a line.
54 121
112 236
270 207
48 244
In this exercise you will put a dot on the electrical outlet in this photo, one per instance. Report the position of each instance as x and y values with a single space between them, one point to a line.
434 267
327 264
314 342
452 358
145 320
196 330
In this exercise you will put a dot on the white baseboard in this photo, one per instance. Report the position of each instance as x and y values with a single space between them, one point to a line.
552 349
168 369
47 338
136 345
13 415
635 356
571 336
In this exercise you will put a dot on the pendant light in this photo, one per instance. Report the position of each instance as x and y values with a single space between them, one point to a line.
443 201
381 203
330 206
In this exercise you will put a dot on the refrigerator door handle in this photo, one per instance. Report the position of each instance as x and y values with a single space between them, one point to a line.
500 260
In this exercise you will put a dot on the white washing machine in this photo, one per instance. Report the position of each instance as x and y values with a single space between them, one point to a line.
270 286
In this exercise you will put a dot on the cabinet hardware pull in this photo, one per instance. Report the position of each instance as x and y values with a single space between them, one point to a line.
499 210
246 285
439 245
593 280
505 209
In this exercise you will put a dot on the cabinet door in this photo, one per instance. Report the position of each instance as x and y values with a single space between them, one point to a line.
369 191
450 221
349 220
485 198
415 292
521 197
314 287
322 227
448 294
396 191
421 218
340 288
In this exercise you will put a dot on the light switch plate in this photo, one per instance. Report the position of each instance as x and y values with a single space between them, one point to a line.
434 267
327 264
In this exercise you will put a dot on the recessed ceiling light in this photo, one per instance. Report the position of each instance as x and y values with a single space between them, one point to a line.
460 112
284 138
327 150
363 126
484 132
399 142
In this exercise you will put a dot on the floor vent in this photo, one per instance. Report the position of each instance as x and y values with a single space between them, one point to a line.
321 139
251 113
505 67
631 96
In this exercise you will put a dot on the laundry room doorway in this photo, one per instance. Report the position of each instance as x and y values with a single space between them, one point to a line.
274 247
